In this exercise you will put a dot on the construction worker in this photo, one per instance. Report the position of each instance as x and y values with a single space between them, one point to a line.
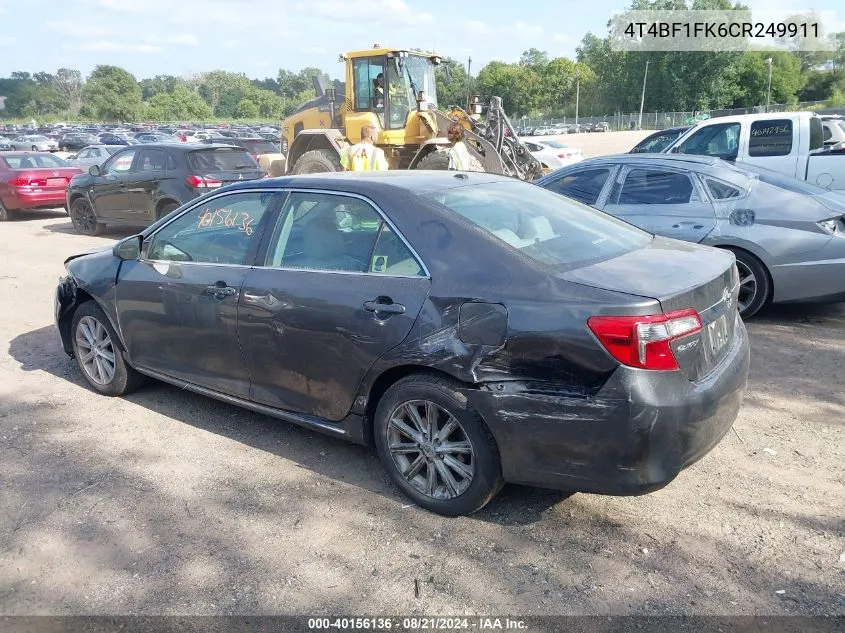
459 157
364 156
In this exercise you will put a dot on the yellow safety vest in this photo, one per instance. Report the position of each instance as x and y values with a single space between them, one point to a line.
363 157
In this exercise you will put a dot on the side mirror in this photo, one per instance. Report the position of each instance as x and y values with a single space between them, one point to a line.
129 248
94 170
71 157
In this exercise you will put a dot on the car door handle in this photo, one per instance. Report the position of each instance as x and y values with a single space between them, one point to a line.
693 224
381 305
226 291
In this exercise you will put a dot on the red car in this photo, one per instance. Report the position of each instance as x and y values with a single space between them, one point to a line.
32 180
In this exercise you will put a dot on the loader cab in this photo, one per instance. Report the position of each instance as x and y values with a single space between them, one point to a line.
384 87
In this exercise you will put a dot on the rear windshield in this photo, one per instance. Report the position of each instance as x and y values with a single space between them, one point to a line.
34 161
545 226
212 160
260 147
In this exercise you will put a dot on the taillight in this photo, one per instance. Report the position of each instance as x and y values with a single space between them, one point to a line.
643 341
28 182
202 182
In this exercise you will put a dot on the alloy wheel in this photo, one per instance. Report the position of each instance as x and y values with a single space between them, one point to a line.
96 350
83 217
430 449
748 286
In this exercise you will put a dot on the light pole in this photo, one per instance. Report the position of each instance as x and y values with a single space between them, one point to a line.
769 89
642 98
577 93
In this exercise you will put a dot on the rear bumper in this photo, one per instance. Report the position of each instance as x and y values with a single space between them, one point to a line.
21 200
633 437
821 277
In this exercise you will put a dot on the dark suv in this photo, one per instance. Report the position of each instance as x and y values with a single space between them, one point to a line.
140 184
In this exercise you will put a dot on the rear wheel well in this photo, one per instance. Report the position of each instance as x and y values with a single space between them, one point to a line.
746 252
384 382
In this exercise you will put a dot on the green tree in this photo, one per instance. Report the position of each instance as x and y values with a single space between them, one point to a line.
112 94
451 78
150 87
180 105
753 78
247 109
223 90
68 84
519 87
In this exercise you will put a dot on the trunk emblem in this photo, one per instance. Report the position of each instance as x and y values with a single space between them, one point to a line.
55 173
726 297
240 176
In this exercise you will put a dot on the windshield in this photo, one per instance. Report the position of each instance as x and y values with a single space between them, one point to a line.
548 228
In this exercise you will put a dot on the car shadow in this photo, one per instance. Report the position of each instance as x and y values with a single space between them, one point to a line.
40 350
116 232
38 214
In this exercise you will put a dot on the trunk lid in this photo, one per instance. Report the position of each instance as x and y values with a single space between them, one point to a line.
679 275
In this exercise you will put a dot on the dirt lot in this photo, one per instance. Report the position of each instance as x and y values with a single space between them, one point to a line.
600 143
168 502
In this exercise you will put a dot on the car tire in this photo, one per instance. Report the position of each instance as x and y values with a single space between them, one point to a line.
317 161
755 285
433 484
84 218
434 161
6 214
98 353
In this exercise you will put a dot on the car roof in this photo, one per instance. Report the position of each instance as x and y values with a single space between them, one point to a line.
667 160
709 164
416 181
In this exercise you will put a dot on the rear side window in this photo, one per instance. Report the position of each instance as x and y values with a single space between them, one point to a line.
171 163
653 186
220 160
583 186
721 190
544 226
151 160
770 138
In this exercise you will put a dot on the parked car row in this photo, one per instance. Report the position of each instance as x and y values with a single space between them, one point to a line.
563 128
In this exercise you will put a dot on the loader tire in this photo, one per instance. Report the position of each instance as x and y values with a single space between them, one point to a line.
434 160
317 161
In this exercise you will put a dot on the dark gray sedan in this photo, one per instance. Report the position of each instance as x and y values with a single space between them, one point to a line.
475 328
788 236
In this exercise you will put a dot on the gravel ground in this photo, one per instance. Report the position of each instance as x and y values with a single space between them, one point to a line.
167 502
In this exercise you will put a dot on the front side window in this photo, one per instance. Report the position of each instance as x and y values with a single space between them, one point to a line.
120 163
224 230
328 232
655 186
549 228
721 140
584 186
770 138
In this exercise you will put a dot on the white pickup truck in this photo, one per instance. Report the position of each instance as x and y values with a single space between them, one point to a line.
791 143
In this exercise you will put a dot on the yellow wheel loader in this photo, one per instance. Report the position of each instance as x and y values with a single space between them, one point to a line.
395 91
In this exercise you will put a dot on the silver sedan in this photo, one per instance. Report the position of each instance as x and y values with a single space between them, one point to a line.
35 142
788 236
93 155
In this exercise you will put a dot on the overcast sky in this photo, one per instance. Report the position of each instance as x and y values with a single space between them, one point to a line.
177 37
